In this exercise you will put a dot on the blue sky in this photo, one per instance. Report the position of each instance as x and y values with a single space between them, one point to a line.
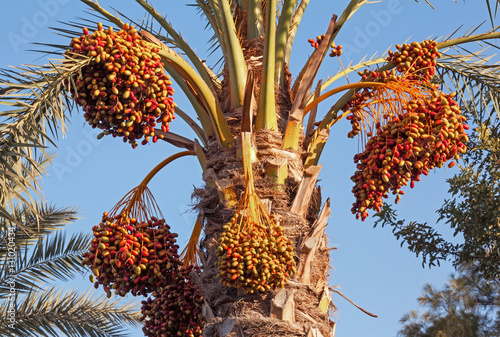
369 265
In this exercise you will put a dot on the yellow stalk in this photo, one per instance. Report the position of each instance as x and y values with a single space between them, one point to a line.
348 70
332 92
389 97
246 149
190 253
142 186
164 163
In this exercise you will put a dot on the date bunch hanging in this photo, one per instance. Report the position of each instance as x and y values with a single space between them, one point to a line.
124 90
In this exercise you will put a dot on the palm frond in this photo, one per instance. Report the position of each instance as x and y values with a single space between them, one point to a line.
475 80
50 259
58 313
489 3
207 14
35 106
491 12
44 220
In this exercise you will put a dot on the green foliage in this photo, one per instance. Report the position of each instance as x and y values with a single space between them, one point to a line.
54 312
420 238
468 306
35 258
474 209
33 114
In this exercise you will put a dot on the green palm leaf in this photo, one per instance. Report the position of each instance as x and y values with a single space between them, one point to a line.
490 4
35 104
67 313
49 219
50 259
475 80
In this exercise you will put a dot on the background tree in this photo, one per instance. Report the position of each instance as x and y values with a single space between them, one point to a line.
278 127
467 306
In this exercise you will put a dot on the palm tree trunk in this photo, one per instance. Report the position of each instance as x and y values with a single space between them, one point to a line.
303 306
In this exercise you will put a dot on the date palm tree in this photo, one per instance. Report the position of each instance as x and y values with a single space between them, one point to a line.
259 138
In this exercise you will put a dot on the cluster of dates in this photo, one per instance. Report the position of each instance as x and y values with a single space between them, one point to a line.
315 43
424 136
141 258
130 256
411 137
123 90
362 97
336 50
417 59
175 309
257 258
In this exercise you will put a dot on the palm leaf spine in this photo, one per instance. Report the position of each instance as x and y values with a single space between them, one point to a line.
194 126
95 6
235 60
282 32
189 74
212 20
266 109
297 18
202 159
196 103
466 39
255 27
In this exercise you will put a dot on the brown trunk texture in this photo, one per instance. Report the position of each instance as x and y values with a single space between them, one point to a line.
303 307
